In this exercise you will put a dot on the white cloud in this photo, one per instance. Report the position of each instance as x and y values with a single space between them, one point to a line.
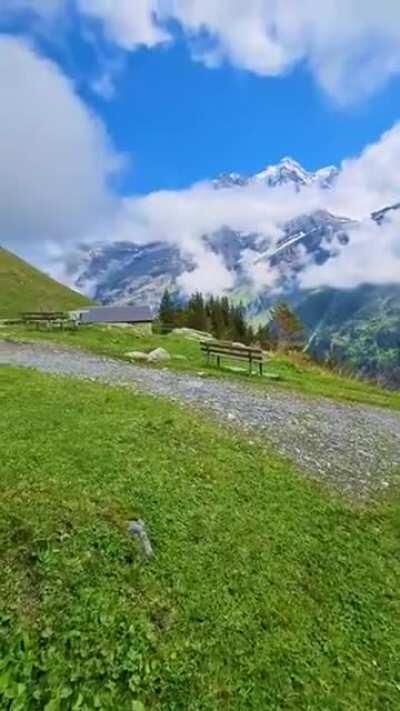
186 215
371 180
352 47
210 275
129 24
55 157
372 257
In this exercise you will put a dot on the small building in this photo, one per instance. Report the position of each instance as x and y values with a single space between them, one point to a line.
139 317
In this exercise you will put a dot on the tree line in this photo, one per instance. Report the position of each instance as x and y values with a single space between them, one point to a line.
226 320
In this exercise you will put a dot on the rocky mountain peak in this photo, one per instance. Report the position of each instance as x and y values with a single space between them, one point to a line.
287 172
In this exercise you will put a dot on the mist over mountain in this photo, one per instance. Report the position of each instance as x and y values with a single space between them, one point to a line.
358 326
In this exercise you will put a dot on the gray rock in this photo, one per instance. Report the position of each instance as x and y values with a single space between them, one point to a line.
158 356
137 528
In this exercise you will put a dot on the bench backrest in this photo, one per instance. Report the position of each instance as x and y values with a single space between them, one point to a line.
230 349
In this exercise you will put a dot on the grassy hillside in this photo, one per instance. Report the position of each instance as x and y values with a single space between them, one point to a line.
295 372
24 288
265 592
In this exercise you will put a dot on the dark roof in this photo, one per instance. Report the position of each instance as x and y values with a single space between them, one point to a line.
118 314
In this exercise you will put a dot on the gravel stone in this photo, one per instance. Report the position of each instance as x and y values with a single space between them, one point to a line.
354 447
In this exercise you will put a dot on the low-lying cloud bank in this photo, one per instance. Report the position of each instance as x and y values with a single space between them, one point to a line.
56 170
365 184
372 256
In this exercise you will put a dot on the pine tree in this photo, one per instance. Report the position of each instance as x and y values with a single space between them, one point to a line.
225 320
167 311
196 316
237 326
226 314
215 317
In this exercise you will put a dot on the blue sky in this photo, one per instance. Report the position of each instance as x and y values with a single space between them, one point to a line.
105 104
183 122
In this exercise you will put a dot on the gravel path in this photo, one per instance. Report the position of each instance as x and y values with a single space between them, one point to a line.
354 447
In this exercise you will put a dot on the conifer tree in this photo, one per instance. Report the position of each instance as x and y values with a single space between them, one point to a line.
196 315
167 311
215 317
238 325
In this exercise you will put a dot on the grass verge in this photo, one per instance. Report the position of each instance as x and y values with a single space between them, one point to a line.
265 592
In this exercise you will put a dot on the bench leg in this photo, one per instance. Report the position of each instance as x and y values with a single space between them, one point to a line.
261 368
218 361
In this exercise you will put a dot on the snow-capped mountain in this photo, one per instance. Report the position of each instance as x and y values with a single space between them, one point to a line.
125 272
286 172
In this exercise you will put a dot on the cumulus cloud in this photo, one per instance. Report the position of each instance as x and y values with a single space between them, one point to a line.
55 157
129 24
371 180
351 47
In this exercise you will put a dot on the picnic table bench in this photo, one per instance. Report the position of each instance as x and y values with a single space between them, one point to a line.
58 318
225 349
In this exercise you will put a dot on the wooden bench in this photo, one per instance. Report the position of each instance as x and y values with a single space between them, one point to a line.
224 349
47 318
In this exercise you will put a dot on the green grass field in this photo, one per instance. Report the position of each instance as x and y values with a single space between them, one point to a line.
296 372
265 591
24 288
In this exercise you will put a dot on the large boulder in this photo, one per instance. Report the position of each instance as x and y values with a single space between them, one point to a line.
159 355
